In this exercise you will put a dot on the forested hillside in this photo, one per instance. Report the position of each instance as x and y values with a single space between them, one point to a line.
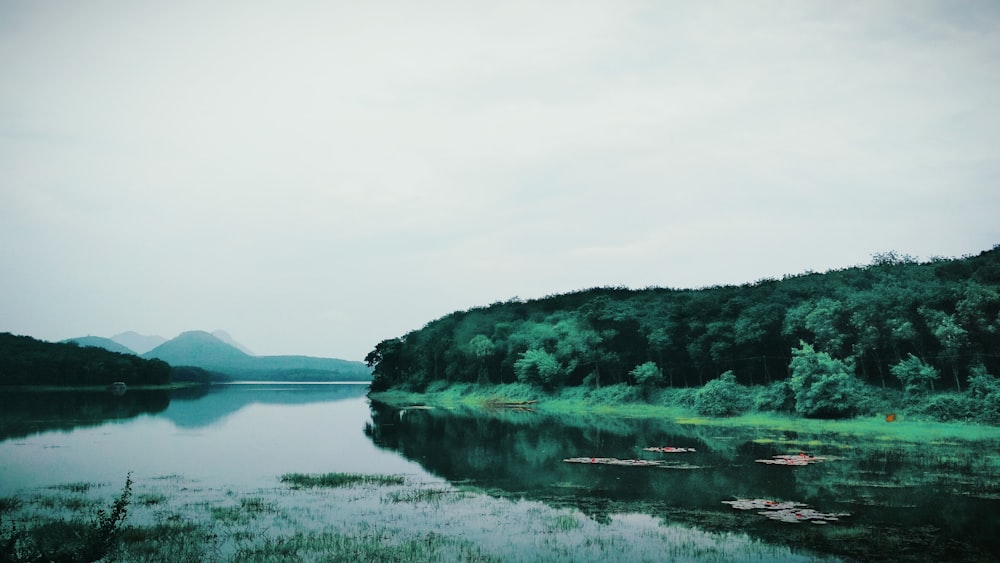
895 323
27 361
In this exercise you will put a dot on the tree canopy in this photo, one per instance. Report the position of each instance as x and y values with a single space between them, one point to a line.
895 323
27 361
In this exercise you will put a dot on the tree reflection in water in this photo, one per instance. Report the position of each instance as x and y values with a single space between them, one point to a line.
924 498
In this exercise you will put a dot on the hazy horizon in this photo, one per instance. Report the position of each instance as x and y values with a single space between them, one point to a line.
316 177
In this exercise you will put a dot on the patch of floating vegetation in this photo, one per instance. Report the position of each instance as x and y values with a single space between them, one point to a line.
786 511
332 480
614 461
631 462
796 459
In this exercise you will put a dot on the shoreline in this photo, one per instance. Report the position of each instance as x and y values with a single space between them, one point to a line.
100 388
495 398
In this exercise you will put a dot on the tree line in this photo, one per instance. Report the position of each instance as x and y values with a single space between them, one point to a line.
27 361
895 323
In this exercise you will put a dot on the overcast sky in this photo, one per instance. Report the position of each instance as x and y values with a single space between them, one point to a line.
314 177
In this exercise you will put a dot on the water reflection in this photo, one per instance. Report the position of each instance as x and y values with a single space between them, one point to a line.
26 413
231 435
899 493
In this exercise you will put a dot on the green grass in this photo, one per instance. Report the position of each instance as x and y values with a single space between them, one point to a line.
334 480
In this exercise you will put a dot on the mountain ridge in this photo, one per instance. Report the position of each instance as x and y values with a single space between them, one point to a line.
101 342
139 343
207 351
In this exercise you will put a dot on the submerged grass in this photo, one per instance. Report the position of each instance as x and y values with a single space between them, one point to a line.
333 480
403 523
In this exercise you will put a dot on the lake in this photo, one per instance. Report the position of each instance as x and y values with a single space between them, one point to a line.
240 435
850 496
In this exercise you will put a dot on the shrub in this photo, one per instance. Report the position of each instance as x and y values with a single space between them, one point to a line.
721 397
824 387
617 394
947 407
777 397
984 391
437 386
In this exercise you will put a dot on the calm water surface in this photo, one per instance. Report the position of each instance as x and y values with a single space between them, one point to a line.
939 499
234 435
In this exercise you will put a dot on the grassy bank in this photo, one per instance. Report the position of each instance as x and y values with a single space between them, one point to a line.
673 406
349 517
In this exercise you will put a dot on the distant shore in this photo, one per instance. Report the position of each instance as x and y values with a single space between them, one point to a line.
102 388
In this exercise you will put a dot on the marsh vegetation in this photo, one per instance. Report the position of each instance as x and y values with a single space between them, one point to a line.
377 518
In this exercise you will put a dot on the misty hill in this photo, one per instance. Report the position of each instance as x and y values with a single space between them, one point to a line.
140 343
99 342
228 339
204 350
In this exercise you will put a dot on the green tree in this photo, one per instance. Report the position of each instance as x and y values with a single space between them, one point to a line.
647 376
821 320
387 364
482 347
824 387
916 376
954 339
539 368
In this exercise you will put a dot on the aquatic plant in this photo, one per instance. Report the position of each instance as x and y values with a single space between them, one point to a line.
301 480
785 511
795 459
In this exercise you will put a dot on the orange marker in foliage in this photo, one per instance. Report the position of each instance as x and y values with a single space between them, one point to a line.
891 417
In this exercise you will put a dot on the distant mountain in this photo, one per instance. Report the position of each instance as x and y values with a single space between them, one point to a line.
98 342
225 337
207 351
138 342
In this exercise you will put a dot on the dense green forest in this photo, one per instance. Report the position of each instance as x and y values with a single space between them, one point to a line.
27 361
813 343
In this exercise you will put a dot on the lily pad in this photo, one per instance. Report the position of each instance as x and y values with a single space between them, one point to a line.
796 459
786 511
614 461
